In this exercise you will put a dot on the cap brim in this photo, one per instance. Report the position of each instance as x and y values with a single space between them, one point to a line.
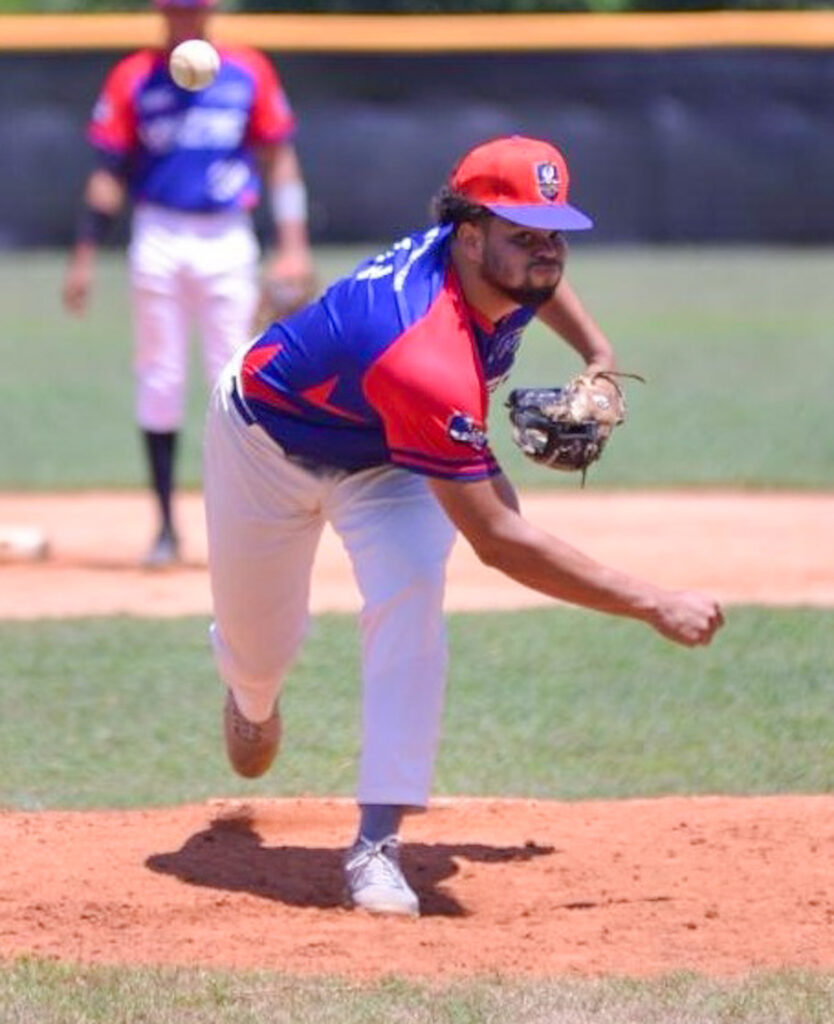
546 216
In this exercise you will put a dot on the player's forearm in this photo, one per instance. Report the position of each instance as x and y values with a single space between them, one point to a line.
486 513
103 199
552 567
566 315
287 197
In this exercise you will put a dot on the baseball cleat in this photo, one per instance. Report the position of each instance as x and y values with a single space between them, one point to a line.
164 552
250 746
374 879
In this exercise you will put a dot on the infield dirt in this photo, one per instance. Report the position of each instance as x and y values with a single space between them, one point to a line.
715 884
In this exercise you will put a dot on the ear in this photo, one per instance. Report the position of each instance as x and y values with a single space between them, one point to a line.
471 240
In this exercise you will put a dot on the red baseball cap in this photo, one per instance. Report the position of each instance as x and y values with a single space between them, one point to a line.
523 180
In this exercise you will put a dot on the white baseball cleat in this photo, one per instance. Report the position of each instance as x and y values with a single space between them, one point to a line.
375 881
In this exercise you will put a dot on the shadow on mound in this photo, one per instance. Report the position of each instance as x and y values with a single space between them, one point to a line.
230 855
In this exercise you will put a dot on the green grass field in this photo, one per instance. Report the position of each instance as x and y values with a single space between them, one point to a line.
735 345
46 993
570 705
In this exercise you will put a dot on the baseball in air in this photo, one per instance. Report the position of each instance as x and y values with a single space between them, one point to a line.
194 64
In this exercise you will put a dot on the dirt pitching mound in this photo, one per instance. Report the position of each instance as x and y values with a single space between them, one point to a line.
711 884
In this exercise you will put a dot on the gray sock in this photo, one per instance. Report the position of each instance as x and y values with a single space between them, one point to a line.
377 821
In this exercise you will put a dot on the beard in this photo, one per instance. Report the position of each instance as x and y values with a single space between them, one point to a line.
528 295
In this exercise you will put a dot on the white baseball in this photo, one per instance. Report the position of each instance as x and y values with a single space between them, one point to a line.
22 543
194 64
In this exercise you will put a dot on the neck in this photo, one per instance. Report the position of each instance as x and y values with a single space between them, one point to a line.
174 39
185 24
479 293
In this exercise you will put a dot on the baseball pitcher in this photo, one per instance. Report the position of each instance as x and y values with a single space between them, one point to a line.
368 409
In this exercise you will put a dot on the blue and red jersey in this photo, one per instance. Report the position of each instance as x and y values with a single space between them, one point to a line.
390 365
184 150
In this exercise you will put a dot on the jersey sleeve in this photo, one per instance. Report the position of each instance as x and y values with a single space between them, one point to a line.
271 118
113 127
428 389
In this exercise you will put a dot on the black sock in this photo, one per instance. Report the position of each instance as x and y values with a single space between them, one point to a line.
378 821
161 449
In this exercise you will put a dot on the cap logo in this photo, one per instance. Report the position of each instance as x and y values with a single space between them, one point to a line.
547 179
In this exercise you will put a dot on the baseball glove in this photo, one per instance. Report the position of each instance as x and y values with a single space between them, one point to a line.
568 427
280 298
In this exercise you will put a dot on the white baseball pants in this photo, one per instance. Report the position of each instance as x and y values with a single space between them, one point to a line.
265 515
187 269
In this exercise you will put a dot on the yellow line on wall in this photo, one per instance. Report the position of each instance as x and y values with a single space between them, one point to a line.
438 33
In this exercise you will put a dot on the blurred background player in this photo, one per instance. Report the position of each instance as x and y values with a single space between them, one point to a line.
368 409
194 165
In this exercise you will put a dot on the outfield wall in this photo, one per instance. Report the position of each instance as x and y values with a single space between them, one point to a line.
680 128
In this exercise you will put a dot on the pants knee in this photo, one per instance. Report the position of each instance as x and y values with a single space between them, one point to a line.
253 670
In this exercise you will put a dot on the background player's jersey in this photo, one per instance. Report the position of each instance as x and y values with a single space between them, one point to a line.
190 150
389 365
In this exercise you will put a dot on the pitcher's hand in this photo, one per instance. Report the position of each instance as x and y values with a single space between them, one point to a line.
78 282
687 617
291 270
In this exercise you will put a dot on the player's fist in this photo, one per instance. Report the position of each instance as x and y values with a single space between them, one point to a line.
194 64
687 617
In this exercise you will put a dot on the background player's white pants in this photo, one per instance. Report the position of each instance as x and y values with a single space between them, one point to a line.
186 270
265 515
